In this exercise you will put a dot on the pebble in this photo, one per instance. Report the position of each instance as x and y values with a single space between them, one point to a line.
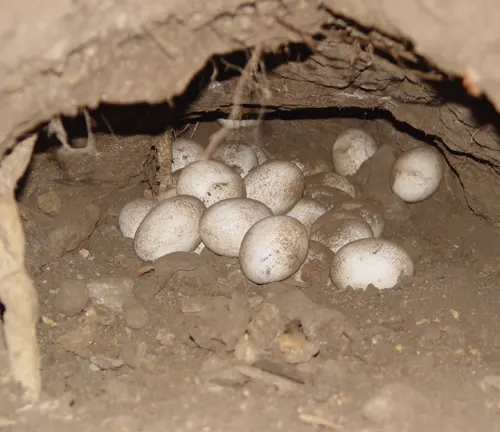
110 292
164 337
133 353
266 326
71 298
49 203
246 350
296 348
134 313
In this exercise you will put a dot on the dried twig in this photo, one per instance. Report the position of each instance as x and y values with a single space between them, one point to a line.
250 69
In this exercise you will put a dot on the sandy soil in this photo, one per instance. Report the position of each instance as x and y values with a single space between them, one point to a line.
158 353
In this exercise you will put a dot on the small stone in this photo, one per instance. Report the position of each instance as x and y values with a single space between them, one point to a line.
246 350
49 203
397 404
193 304
104 363
266 326
296 348
133 353
134 313
84 253
71 298
110 292
164 337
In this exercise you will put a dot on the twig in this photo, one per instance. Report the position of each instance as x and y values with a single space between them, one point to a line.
218 137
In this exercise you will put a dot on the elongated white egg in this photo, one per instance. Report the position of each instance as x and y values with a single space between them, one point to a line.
223 225
379 262
171 226
210 181
351 149
277 184
417 173
307 211
132 214
273 249
184 152
342 232
331 180
239 156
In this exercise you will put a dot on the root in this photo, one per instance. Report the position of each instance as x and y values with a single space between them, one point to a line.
164 155
17 291
56 128
250 70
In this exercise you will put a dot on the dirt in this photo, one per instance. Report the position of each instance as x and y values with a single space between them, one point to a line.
179 346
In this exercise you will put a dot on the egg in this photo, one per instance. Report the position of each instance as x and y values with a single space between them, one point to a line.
273 249
210 181
171 226
316 267
169 193
224 224
132 214
371 212
331 180
342 232
277 184
184 152
262 155
417 173
351 149
239 156
370 261
307 211
325 221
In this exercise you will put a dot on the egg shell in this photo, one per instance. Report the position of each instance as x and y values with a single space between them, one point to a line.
171 226
370 261
277 184
132 214
371 212
185 152
210 181
307 211
331 180
327 196
316 267
273 249
223 225
238 156
351 149
262 155
342 232
417 173
308 162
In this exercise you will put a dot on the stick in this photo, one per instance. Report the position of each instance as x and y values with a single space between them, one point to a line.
218 137
17 290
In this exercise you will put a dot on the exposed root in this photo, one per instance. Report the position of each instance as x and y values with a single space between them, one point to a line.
17 291
56 127
250 70
164 155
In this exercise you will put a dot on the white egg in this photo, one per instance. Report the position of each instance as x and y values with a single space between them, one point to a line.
316 267
370 261
261 154
372 213
238 124
184 152
171 226
342 232
308 162
273 249
351 149
169 193
331 180
307 211
132 214
223 225
210 181
239 156
277 184
325 221
417 173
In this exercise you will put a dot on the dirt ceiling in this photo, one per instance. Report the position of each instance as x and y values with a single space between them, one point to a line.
61 56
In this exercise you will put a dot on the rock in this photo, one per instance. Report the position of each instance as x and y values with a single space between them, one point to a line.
49 203
266 326
110 292
193 304
134 313
133 353
71 298
104 363
164 337
217 373
246 350
296 348
397 404
374 180
70 229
